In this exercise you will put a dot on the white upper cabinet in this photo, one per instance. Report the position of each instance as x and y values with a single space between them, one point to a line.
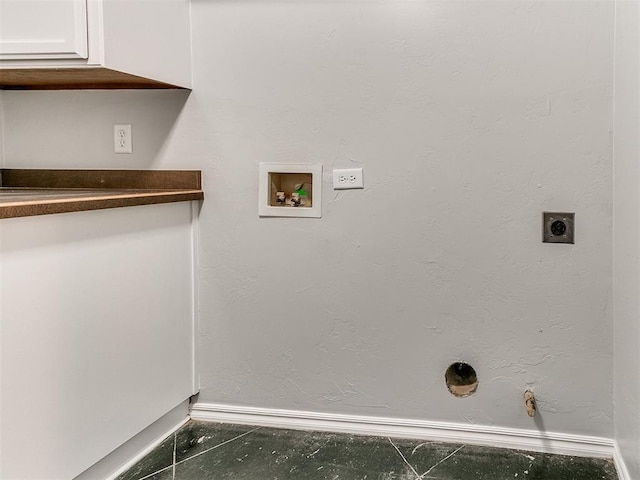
43 29
95 44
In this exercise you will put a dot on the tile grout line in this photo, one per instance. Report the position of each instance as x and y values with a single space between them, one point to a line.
445 458
175 447
418 477
217 446
154 473
417 447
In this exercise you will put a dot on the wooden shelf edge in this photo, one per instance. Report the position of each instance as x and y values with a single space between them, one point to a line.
79 78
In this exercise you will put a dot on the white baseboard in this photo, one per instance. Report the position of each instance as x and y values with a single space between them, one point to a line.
621 467
531 440
128 454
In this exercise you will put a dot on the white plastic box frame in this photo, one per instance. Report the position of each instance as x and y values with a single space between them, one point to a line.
265 209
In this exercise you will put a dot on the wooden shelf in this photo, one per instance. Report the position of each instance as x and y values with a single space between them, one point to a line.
85 78
26 193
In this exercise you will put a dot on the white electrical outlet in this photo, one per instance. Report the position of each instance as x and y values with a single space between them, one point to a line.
344 178
122 139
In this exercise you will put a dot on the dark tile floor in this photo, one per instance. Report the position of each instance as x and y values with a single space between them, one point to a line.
201 450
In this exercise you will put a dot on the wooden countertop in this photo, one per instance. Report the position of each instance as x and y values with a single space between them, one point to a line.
43 192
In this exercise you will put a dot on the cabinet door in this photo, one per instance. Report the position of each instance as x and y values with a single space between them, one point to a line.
104 345
37 29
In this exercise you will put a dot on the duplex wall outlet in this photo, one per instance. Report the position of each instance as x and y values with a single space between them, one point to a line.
558 227
122 139
344 178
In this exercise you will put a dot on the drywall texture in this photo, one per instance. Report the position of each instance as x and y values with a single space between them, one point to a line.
74 129
626 235
469 118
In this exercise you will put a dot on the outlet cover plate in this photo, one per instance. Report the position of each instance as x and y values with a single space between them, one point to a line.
558 227
347 178
122 139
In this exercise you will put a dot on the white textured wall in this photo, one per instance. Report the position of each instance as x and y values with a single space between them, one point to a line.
469 118
627 234
74 129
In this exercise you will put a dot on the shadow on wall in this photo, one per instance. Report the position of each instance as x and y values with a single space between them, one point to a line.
74 129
